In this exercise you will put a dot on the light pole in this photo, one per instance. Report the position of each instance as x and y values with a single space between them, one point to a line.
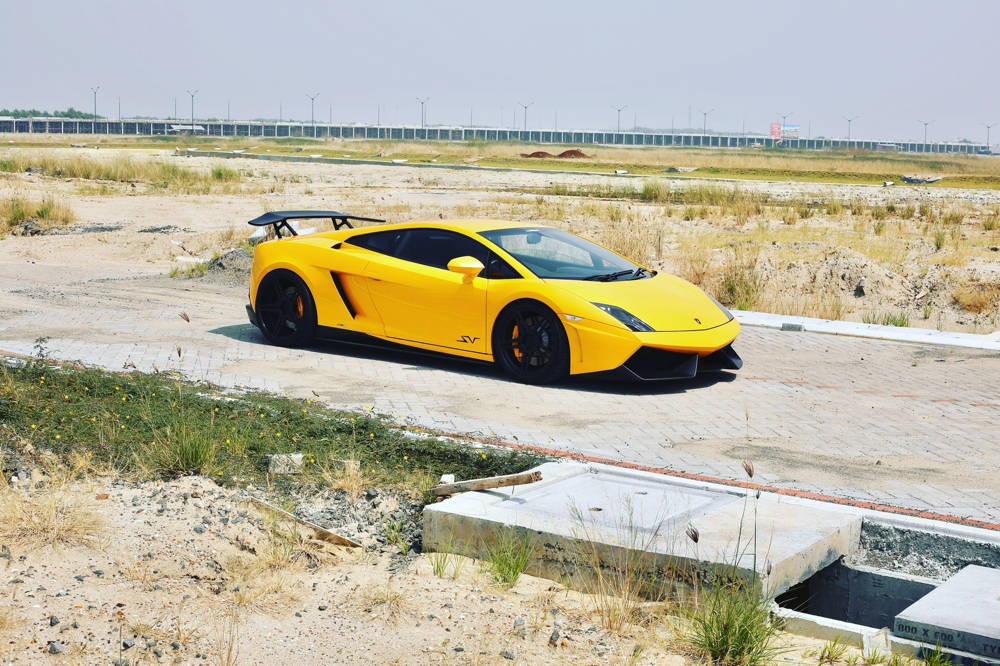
784 117
704 120
423 110
312 111
850 119
94 90
525 107
925 124
229 116
192 93
619 109
988 128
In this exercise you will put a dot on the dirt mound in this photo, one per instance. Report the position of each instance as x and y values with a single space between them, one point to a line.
843 271
232 268
573 154
538 153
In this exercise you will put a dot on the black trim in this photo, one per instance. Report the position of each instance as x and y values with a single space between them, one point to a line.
279 219
652 364
343 295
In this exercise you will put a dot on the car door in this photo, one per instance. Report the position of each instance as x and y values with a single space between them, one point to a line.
420 300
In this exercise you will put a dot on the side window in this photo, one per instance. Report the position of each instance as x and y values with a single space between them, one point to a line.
384 242
436 247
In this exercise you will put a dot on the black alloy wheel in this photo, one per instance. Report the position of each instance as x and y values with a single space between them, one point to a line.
285 309
530 344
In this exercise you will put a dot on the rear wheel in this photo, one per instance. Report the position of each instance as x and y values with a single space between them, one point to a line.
285 309
530 344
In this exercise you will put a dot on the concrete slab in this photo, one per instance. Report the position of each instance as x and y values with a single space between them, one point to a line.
963 613
621 510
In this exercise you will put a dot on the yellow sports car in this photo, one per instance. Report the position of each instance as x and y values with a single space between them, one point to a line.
539 302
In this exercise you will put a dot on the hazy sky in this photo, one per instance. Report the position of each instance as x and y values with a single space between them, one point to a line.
889 62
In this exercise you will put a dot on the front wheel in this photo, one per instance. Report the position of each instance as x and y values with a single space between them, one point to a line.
285 309
530 344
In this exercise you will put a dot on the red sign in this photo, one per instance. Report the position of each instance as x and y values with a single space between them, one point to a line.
776 131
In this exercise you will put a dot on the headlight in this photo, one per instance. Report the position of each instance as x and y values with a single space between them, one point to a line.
721 306
627 318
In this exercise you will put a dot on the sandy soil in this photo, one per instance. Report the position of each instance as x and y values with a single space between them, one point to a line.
186 572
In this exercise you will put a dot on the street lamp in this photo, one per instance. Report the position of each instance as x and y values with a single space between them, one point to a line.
192 93
619 109
423 110
850 119
525 107
925 124
312 111
94 90
988 128
704 120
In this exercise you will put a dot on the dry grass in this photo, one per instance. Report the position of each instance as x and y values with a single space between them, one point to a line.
740 282
622 580
346 475
48 212
978 298
158 174
57 514
8 622
638 239
822 304
387 602
693 261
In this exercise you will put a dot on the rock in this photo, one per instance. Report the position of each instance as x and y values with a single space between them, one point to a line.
371 494
55 647
285 463
508 655
5 552
859 290
200 529
158 654
53 621
128 644
554 638
28 228
175 645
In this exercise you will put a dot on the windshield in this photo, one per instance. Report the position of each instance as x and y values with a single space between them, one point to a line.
555 254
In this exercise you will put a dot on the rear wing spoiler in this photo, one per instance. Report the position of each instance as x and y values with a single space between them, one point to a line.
279 219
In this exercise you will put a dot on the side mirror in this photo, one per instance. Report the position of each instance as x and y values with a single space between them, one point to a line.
468 267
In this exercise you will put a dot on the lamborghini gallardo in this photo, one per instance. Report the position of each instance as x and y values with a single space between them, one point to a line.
539 302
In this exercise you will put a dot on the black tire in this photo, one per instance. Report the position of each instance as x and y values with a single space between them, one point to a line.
285 309
530 344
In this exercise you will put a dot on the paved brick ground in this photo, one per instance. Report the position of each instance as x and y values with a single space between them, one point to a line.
903 425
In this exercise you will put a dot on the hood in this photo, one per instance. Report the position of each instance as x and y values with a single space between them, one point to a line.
665 302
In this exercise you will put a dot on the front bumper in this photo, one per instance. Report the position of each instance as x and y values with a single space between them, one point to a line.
598 347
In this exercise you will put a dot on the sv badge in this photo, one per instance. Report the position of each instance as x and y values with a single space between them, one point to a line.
467 339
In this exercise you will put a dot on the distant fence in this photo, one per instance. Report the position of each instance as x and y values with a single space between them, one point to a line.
405 133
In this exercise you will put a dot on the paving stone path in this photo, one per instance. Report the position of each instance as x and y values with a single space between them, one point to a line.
903 425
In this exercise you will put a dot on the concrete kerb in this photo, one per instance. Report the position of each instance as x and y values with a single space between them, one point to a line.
874 331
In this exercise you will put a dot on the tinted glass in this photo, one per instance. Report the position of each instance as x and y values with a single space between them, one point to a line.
551 253
436 247
385 242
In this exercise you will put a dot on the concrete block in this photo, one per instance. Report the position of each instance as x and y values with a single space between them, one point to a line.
783 540
963 613
285 463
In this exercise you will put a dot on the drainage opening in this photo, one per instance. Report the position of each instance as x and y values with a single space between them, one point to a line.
857 594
